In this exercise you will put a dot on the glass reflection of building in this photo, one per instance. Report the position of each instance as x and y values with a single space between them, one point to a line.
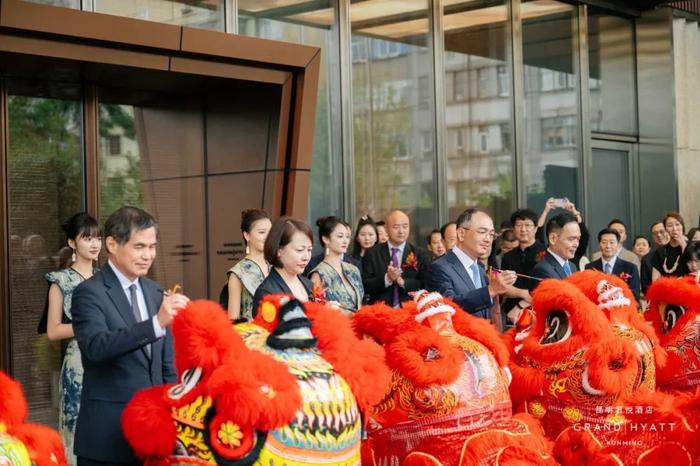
424 105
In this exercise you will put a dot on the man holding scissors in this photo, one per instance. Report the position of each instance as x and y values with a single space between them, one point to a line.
460 276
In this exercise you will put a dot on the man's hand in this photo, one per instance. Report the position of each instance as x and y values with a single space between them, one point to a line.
501 282
169 307
393 273
571 207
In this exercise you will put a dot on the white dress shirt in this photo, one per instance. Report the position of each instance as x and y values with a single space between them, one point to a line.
559 259
611 262
126 284
468 262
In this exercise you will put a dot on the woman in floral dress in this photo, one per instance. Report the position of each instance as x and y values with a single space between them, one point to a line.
85 239
245 277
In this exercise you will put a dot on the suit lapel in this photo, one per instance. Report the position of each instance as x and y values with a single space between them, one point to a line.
151 295
555 263
459 269
117 295
617 270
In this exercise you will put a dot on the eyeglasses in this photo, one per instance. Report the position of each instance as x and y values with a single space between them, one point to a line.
658 233
484 232
524 226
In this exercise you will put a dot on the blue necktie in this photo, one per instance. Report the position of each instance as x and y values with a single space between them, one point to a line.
567 269
476 277
606 268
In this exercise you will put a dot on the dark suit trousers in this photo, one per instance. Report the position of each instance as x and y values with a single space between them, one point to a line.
88 462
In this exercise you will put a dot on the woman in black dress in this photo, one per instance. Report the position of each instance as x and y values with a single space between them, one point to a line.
288 249
667 261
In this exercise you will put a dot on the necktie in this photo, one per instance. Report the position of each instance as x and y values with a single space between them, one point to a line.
137 312
395 292
567 269
606 267
476 277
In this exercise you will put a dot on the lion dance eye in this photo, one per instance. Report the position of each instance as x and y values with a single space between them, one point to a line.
671 316
556 328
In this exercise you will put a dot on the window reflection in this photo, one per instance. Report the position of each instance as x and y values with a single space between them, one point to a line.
45 185
478 105
612 73
204 14
393 116
296 21
551 127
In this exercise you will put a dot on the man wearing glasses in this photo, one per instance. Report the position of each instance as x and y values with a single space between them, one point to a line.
522 260
458 274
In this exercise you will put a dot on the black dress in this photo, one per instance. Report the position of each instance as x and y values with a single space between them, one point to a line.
667 260
274 284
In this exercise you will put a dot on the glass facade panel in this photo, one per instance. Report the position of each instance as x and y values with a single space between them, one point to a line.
612 82
551 127
45 187
64 3
204 14
478 108
394 111
311 23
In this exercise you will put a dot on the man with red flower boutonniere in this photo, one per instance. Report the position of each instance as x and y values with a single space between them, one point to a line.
391 270
610 262
458 274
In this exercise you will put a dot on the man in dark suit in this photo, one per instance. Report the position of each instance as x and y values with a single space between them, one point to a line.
611 263
563 234
460 276
391 270
120 319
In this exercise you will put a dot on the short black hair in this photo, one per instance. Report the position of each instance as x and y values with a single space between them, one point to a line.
281 235
641 237
608 231
508 235
523 214
126 219
691 252
380 223
443 228
429 238
617 220
80 225
466 216
658 222
558 222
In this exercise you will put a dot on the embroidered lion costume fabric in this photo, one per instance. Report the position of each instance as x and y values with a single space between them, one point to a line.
23 443
584 363
287 389
448 402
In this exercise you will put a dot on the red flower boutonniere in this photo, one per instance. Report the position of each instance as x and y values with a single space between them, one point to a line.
411 261
318 293
625 276
540 256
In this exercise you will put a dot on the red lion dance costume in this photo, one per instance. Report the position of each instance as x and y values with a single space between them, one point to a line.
286 389
448 402
583 362
22 443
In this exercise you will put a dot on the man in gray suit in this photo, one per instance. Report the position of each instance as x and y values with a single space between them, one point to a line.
460 276
121 321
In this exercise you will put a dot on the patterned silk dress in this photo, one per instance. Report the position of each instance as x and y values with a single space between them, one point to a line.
250 275
348 298
71 382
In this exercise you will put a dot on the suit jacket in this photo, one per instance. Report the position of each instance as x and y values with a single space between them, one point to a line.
624 254
116 362
274 284
374 265
548 267
620 267
448 277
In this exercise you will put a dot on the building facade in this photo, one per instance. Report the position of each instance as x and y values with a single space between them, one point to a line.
425 105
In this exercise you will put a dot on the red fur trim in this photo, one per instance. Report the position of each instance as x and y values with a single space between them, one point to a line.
359 362
529 448
579 448
480 330
407 353
517 455
203 335
13 406
672 291
612 364
381 322
671 454
587 281
247 441
43 444
268 320
588 323
255 391
148 425
526 382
